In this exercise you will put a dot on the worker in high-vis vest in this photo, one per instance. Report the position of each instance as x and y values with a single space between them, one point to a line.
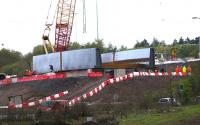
189 70
178 69
184 70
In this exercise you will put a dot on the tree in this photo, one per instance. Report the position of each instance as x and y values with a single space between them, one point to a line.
16 68
162 43
38 50
196 40
187 40
194 79
143 43
187 90
74 45
9 56
98 43
155 43
187 51
28 60
190 85
193 41
110 48
175 42
122 48
181 41
137 45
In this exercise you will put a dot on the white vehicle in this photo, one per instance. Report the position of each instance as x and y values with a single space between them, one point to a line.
167 101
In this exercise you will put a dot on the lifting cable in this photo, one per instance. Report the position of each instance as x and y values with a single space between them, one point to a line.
48 28
49 14
84 17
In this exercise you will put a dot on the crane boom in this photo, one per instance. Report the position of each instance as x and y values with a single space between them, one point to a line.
64 24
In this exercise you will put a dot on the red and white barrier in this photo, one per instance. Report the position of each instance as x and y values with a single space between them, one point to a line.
32 78
118 79
49 76
31 104
5 81
95 90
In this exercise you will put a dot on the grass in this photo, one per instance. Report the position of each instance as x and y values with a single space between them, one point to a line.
161 118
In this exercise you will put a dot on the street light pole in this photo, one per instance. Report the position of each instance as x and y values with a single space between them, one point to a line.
97 17
199 36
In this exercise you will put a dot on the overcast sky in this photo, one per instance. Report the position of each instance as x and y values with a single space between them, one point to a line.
121 22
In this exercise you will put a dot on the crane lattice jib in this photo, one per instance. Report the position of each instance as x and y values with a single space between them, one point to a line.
64 23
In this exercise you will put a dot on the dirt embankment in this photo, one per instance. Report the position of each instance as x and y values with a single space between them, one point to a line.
130 90
133 90
31 91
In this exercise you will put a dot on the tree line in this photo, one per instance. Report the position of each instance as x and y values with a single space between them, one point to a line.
155 42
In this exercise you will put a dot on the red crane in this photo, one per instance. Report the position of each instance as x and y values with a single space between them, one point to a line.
63 29
64 23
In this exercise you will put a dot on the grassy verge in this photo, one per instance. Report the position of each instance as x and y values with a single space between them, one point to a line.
161 118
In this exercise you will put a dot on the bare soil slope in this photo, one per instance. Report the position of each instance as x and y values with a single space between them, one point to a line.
31 91
131 90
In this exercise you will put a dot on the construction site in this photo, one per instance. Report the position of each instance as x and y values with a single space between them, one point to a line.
85 86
